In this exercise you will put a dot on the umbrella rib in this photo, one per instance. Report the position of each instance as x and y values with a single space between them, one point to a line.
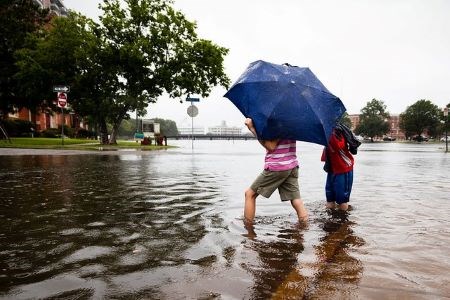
320 90
315 112
299 83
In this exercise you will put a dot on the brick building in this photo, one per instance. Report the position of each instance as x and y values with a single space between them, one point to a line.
394 128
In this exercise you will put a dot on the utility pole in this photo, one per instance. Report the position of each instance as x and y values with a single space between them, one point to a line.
192 111
61 94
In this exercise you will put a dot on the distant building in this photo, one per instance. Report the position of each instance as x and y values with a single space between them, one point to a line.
45 120
223 129
56 7
150 128
394 126
190 130
355 121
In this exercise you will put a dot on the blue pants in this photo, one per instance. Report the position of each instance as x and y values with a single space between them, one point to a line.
339 187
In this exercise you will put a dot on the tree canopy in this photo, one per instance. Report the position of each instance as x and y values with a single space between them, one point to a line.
18 18
138 50
373 119
422 115
167 127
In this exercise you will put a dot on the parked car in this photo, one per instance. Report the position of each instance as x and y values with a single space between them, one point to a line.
420 138
389 138
443 139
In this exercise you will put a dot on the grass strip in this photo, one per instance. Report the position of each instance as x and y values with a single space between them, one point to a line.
73 144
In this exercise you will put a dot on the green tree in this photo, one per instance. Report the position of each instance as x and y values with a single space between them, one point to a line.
373 119
155 49
18 18
127 128
53 58
445 121
422 115
69 53
138 50
167 127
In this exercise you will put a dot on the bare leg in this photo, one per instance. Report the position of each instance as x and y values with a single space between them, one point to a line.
250 229
300 209
331 205
250 205
343 206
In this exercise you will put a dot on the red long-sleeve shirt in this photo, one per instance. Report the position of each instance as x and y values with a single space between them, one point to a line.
340 158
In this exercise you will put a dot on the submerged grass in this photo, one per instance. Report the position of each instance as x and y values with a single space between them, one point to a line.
73 144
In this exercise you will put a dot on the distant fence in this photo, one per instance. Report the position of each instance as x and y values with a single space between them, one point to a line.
210 137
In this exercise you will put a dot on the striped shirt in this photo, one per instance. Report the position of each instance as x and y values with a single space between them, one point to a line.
283 158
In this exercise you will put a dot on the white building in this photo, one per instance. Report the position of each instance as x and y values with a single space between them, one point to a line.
56 6
150 128
223 129
190 130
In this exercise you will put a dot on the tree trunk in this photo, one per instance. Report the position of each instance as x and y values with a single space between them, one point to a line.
115 130
116 125
103 132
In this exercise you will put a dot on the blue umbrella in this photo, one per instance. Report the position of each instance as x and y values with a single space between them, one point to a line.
286 102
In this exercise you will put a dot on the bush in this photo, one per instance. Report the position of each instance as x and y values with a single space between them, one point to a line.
84 133
69 132
18 128
51 133
56 132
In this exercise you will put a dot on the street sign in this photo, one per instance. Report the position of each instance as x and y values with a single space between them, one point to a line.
139 136
61 88
445 111
62 96
192 111
193 99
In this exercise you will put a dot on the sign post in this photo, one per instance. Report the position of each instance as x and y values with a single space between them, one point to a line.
446 130
61 94
192 112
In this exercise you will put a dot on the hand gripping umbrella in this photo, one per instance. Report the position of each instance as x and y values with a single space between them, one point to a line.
286 102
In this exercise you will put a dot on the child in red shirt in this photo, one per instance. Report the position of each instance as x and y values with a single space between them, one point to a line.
339 165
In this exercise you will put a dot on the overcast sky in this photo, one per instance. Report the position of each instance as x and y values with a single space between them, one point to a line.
397 51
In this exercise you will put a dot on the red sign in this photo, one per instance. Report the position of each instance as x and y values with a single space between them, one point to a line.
62 99
62 96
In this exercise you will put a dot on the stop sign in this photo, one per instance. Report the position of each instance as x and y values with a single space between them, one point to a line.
62 99
62 96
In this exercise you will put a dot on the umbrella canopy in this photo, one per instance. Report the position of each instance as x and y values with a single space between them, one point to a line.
286 102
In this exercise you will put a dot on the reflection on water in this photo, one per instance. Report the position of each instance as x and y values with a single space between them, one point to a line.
277 258
168 225
337 271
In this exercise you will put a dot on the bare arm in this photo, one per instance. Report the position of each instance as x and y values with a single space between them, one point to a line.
270 145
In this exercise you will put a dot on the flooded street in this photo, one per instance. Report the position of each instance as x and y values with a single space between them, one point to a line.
168 225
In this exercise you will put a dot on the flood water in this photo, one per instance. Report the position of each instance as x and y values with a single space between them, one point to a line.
168 225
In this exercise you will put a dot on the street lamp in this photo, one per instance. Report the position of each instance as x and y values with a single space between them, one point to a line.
446 125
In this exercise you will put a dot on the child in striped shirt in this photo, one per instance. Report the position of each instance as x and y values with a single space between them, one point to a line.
280 172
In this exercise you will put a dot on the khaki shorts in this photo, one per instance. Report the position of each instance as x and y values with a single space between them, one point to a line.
285 181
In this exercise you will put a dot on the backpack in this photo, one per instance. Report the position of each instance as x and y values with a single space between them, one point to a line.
351 139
